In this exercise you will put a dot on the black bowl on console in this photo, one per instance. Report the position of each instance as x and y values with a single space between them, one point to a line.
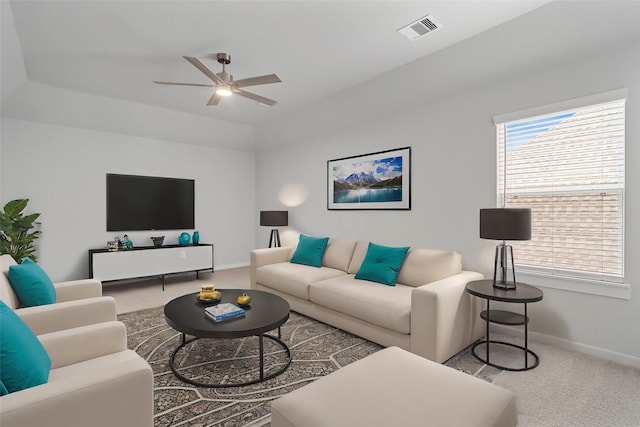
157 241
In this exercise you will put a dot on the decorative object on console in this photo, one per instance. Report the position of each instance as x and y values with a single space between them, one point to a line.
379 180
157 240
274 219
184 239
505 224
196 237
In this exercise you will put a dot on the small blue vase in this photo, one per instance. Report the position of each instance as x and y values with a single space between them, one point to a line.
196 237
184 239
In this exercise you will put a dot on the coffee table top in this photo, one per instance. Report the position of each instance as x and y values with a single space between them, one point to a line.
265 313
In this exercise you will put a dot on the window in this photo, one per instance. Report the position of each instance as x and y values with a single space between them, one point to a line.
567 165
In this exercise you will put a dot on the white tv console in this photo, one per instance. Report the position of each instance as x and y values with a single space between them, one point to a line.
106 265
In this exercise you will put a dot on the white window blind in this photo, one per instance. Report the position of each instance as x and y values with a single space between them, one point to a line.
568 167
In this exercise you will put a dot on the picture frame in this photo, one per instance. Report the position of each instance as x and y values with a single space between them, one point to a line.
373 181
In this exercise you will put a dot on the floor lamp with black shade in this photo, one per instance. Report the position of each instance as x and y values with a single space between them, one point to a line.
274 219
505 224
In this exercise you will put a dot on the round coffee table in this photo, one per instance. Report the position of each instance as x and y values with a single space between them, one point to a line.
265 313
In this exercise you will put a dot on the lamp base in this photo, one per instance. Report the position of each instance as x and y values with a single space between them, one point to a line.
274 238
505 286
503 252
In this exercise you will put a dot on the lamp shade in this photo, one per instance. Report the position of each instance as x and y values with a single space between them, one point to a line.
505 224
274 218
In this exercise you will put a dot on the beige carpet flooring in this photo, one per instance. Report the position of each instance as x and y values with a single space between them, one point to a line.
567 389
570 389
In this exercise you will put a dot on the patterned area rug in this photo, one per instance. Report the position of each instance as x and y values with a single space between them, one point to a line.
317 350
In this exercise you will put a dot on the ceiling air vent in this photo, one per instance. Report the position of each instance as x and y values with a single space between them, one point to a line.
419 28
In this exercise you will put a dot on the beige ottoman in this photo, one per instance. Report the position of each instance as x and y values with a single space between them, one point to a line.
394 387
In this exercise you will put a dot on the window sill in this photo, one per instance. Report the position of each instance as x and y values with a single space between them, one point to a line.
585 286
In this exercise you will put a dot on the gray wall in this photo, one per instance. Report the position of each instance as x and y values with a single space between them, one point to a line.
62 170
454 173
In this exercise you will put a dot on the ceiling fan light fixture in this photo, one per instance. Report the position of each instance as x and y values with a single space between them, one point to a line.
223 90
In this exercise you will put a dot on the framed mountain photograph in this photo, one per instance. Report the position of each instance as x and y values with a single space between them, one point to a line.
371 181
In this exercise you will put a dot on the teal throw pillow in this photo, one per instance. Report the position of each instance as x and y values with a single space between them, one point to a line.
3 389
31 284
310 250
382 264
24 362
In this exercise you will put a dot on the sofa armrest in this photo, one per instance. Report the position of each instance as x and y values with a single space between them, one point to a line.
116 390
78 289
260 257
43 319
444 317
76 345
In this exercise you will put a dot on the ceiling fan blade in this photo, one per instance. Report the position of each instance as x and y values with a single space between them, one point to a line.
260 99
215 99
260 80
203 68
183 84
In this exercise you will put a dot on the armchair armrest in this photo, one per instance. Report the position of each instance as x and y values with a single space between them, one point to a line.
260 257
444 317
76 345
77 289
43 319
114 390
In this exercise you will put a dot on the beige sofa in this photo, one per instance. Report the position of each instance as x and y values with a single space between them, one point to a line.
94 381
428 312
78 303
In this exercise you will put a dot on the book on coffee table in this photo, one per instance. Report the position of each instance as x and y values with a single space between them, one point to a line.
224 311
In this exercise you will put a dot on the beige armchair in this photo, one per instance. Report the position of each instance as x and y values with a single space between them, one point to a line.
94 381
78 303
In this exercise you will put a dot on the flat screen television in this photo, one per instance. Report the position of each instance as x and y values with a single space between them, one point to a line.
149 203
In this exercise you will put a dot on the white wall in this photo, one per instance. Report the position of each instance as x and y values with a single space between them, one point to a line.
62 171
453 163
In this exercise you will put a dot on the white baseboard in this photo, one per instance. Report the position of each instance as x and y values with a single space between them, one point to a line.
230 266
564 344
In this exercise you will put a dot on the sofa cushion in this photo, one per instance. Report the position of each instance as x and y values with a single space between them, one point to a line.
24 362
293 279
423 266
382 264
338 254
31 283
310 250
386 306
358 256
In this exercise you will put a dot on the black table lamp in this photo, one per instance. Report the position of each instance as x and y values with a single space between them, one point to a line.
274 219
505 224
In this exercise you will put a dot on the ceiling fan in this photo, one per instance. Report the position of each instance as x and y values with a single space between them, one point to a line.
225 85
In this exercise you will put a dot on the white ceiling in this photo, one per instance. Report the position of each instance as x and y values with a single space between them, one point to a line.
318 48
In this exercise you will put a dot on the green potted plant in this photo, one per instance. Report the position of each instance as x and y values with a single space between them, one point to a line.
16 239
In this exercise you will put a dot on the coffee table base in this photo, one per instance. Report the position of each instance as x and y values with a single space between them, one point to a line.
240 384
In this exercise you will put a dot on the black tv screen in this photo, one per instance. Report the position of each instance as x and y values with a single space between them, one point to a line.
149 203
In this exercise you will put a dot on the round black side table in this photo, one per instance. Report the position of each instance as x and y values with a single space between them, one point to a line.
522 294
